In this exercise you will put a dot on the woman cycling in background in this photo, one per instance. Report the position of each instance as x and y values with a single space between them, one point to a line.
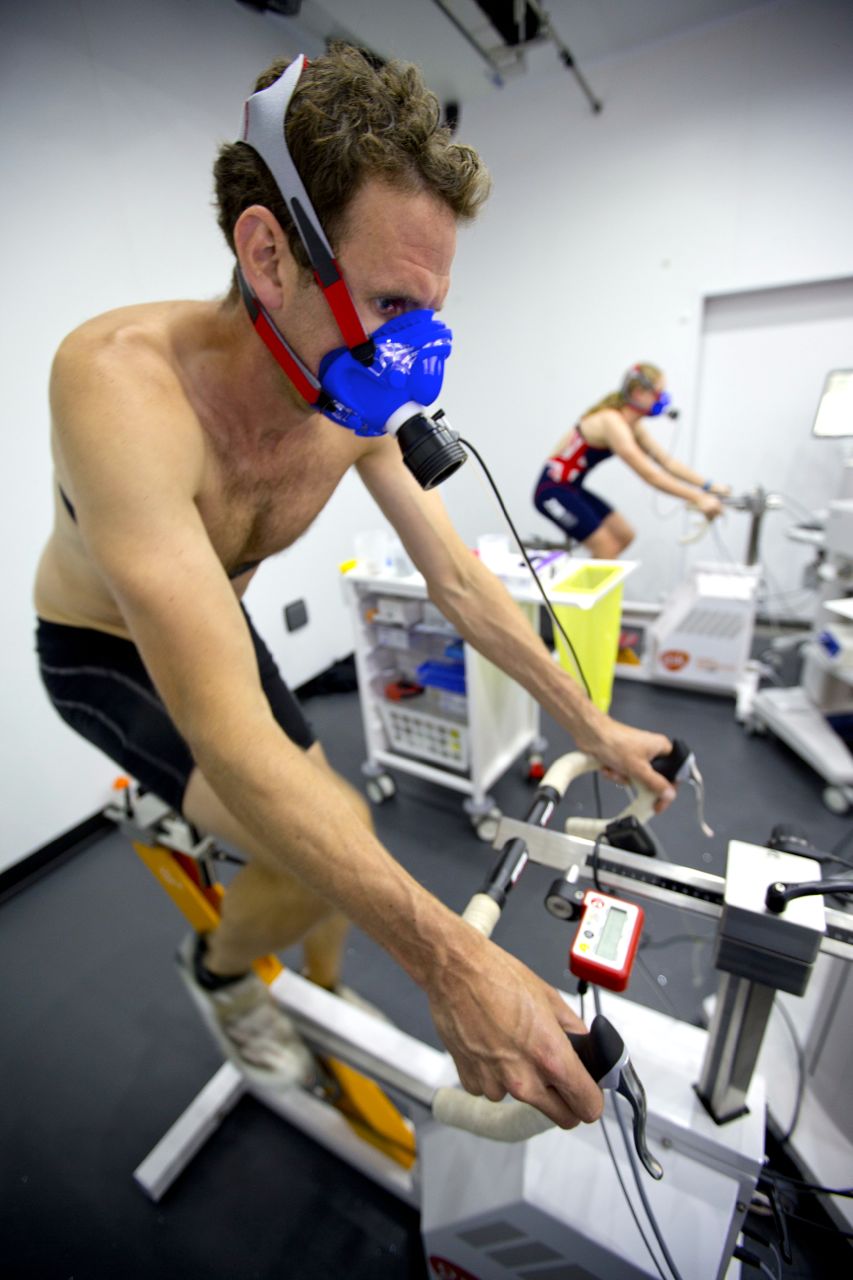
614 425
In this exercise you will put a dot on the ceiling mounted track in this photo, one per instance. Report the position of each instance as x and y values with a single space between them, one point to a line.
513 27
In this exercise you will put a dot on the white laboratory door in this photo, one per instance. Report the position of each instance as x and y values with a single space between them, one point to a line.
764 357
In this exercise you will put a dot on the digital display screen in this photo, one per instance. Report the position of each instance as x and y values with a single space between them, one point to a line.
608 945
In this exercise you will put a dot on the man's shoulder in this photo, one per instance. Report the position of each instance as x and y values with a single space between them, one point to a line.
116 379
124 362
122 344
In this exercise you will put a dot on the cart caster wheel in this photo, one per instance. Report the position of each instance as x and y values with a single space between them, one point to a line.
487 826
754 728
380 789
836 801
387 785
535 768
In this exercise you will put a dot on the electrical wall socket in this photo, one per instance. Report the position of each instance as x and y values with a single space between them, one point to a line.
295 615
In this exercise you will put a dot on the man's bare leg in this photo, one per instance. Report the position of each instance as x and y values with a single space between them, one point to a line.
265 909
323 950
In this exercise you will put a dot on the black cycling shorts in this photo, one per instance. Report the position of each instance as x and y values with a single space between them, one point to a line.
577 511
99 685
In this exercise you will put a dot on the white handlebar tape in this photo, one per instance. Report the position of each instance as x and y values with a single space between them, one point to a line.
563 772
501 1121
586 828
642 807
483 913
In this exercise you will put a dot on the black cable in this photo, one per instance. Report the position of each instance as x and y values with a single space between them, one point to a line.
768 1244
809 851
628 1201
521 548
632 1160
747 1257
781 1224
773 1175
220 855
750 1259
596 787
638 1180
801 1066
824 858
832 1231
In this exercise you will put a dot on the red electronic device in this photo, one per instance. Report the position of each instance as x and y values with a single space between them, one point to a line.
606 941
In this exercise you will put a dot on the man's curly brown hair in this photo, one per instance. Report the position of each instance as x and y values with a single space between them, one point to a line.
350 120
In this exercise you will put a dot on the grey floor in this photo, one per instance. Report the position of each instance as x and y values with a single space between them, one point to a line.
100 1050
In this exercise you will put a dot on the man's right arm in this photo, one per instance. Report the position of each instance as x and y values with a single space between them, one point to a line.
133 454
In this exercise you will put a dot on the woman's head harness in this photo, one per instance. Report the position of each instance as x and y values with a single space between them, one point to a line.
636 376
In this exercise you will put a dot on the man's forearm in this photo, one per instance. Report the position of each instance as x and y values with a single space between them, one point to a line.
295 818
489 619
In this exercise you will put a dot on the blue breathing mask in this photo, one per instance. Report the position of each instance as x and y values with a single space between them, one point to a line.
660 405
407 370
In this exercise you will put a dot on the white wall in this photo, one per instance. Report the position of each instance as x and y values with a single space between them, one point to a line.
764 359
723 160
112 111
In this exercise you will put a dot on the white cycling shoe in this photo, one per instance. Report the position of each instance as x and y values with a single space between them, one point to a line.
249 1027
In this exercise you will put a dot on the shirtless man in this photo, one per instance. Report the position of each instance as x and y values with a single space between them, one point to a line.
615 426
184 457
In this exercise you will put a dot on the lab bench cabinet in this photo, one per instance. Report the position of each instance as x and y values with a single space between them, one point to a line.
469 723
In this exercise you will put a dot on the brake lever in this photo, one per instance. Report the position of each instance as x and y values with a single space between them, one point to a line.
604 1055
679 765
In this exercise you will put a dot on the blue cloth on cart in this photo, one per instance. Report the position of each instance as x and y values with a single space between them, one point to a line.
437 674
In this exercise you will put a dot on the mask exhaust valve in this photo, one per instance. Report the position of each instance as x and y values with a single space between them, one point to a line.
431 449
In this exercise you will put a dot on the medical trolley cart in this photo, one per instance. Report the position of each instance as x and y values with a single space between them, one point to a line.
431 705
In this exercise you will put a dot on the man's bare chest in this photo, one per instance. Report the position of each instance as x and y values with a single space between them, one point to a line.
258 500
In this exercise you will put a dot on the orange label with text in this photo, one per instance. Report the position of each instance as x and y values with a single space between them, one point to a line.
674 659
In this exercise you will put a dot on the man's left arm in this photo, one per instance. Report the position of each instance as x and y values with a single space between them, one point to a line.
486 616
